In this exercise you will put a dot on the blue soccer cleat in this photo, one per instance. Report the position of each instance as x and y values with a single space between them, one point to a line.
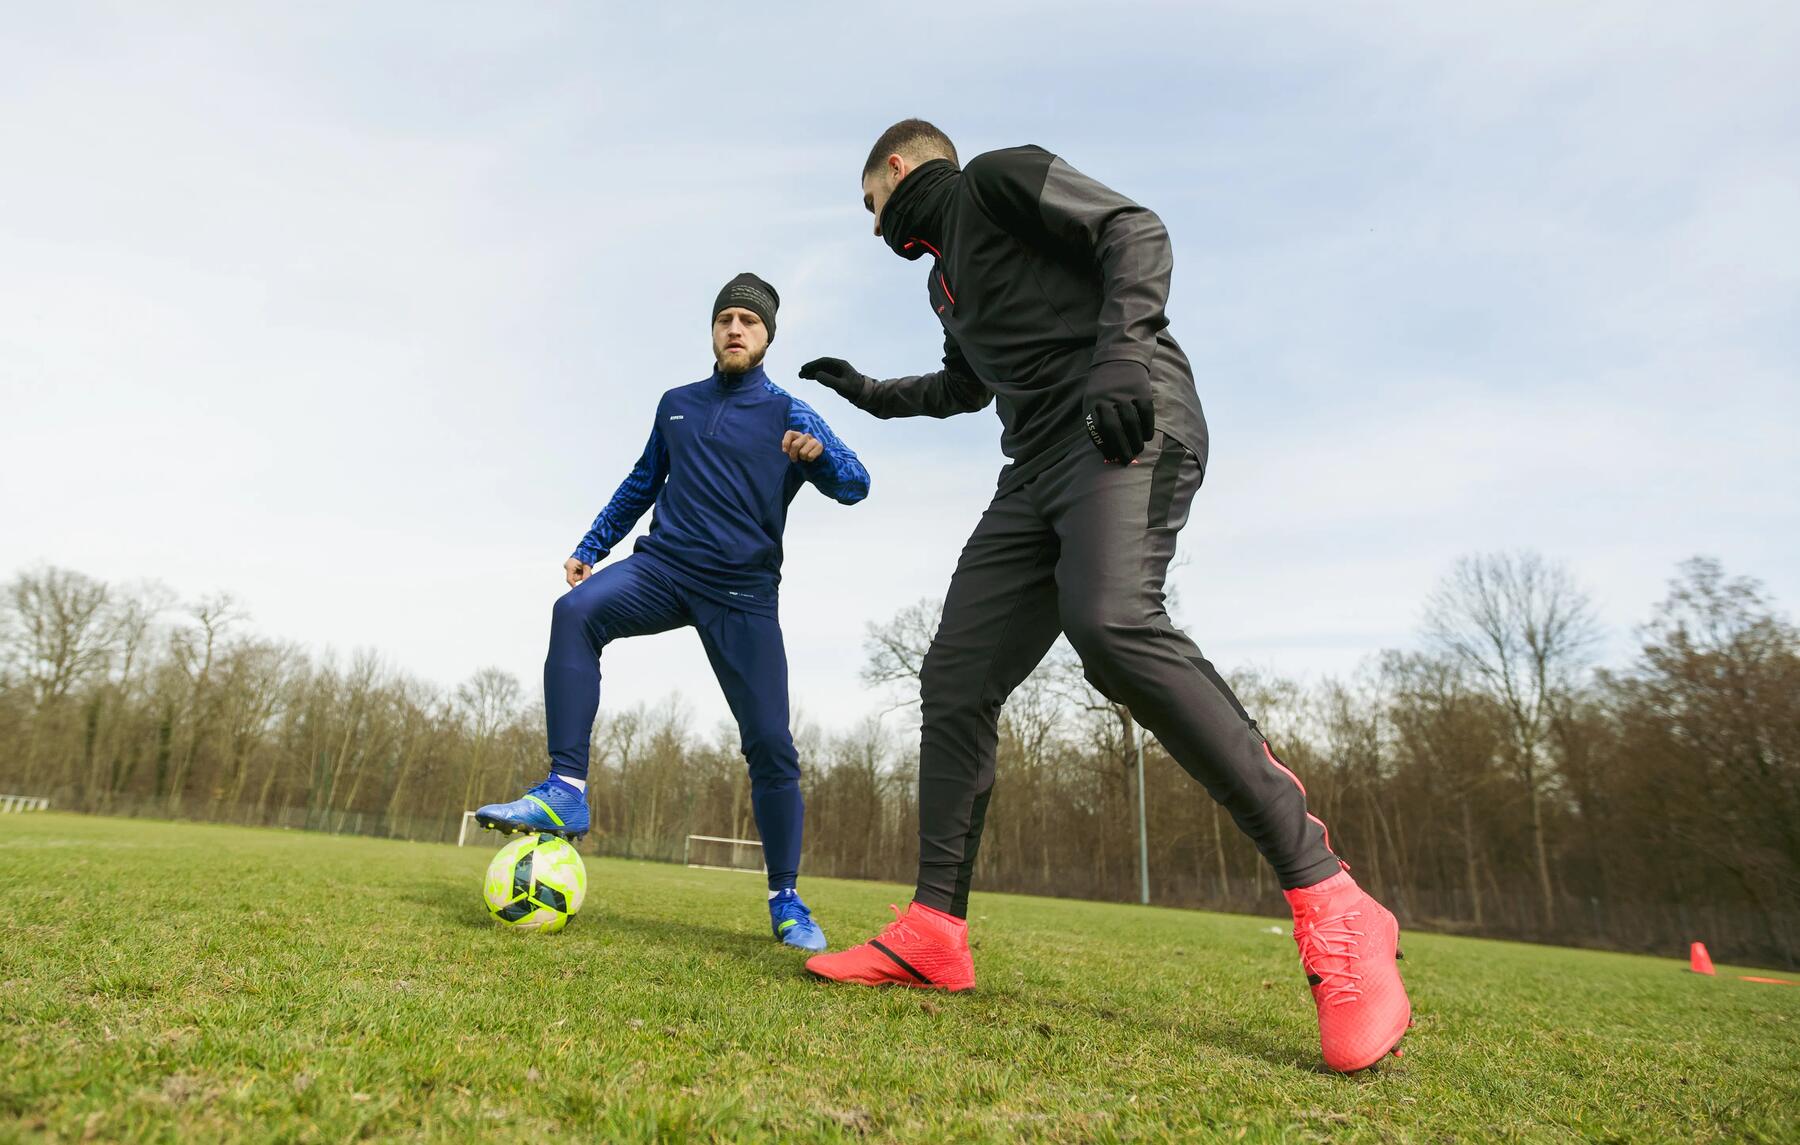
551 808
793 923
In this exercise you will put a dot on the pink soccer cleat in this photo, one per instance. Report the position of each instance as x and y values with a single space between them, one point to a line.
922 948
1349 944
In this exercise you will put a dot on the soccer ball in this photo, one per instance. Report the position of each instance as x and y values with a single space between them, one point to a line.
535 883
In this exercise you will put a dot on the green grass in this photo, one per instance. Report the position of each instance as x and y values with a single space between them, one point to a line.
178 982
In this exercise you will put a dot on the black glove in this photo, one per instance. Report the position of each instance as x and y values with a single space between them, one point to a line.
837 375
1117 409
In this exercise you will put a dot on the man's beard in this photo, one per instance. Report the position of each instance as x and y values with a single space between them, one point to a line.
755 361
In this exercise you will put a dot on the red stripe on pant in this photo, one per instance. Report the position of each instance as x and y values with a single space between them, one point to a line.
1282 767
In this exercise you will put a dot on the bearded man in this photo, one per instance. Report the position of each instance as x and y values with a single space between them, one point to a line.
726 456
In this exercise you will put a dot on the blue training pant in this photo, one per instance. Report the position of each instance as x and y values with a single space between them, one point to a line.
632 598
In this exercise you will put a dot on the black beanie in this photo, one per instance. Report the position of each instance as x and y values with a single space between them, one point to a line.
754 295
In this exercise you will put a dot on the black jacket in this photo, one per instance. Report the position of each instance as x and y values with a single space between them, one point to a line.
1038 273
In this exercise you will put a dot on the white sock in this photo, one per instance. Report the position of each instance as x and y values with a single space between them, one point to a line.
578 784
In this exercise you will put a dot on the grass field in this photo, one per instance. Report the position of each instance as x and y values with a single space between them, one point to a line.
178 982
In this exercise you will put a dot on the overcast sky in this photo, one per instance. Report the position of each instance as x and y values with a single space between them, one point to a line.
361 312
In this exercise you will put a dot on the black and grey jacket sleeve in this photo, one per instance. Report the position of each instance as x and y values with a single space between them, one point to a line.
942 393
1048 204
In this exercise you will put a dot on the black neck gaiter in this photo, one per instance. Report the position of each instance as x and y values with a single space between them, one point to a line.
912 221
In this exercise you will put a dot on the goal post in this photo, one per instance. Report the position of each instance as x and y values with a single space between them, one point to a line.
716 853
468 825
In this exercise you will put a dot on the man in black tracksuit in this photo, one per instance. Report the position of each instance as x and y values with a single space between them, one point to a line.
1051 289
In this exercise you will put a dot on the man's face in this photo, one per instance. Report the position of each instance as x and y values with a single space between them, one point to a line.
878 186
739 340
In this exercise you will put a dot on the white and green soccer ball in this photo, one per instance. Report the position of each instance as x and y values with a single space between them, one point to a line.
536 882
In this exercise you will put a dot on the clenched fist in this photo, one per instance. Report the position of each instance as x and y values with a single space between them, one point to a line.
575 571
801 446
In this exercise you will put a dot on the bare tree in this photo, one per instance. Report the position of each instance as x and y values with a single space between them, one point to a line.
896 650
196 649
1526 631
58 630
57 635
1449 735
1712 712
488 699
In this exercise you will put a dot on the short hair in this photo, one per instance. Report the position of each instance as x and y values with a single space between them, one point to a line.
913 138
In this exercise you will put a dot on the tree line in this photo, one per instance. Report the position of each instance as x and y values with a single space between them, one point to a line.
1494 780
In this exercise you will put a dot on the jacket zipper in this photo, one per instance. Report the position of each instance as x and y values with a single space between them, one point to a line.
936 254
712 423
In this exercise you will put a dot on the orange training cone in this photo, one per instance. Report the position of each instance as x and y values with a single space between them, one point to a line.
1699 961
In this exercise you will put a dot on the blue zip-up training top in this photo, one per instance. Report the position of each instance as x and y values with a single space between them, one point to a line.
715 471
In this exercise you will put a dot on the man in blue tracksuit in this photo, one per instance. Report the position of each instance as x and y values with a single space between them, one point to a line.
726 456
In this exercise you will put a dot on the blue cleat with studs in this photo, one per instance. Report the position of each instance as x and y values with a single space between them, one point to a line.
553 807
792 923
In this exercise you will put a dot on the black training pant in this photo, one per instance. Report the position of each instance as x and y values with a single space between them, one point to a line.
1083 548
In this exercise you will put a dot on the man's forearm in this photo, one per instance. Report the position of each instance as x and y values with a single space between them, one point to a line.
937 394
951 390
630 501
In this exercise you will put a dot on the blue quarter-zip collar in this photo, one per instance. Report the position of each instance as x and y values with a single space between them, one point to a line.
739 383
